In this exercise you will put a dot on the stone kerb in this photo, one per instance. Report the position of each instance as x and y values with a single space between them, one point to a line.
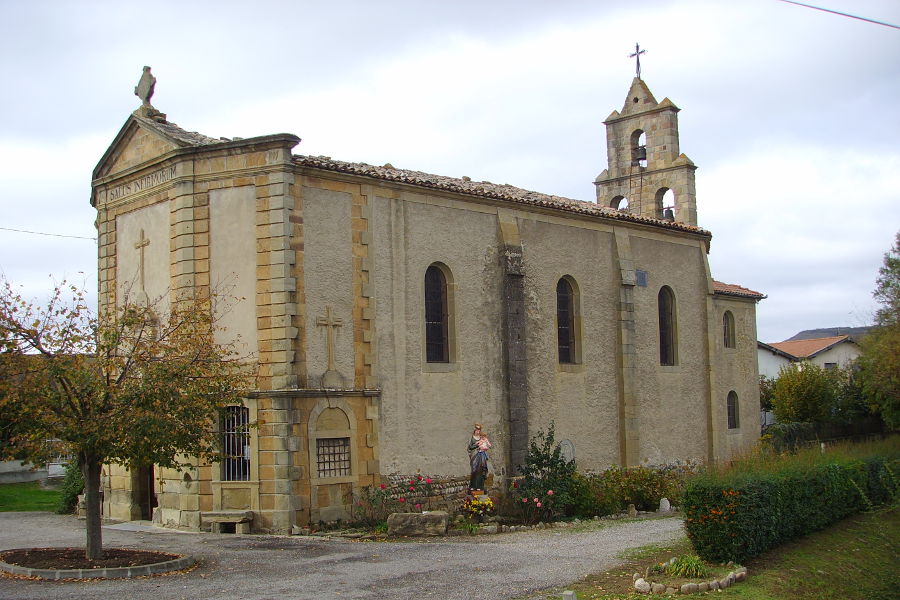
176 564
648 587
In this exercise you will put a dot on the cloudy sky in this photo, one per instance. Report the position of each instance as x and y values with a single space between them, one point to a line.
791 114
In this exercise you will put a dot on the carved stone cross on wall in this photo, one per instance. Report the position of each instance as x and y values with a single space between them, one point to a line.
331 379
140 245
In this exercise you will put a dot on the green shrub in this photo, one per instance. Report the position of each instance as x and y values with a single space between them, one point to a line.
742 512
544 491
611 491
689 565
73 485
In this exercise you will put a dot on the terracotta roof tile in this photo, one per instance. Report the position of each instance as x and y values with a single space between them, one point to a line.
809 348
730 289
485 189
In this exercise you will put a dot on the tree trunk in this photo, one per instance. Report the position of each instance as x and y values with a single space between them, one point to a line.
90 468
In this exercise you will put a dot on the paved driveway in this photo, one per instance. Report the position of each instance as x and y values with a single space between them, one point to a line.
281 568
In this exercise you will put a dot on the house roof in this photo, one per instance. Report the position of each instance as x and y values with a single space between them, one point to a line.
810 348
776 351
730 289
485 189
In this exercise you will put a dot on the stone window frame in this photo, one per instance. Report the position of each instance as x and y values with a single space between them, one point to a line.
448 321
573 325
729 334
667 311
314 434
732 411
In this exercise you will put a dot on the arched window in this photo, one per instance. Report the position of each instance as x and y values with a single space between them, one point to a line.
566 306
638 148
728 329
668 339
437 317
665 204
619 203
732 405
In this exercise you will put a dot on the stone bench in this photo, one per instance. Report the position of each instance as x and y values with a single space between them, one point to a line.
240 518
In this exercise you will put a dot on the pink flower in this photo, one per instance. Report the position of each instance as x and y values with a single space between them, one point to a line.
538 505
524 499
549 492
418 506
535 499
412 488
401 499
427 481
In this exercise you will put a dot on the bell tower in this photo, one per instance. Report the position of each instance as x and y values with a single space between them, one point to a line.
647 175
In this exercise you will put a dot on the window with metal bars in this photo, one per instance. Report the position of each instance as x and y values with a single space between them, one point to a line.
437 342
728 329
333 457
565 321
236 444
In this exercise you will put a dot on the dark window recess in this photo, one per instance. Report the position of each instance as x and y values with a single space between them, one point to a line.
667 339
565 321
333 457
236 444
641 277
728 329
437 347
732 404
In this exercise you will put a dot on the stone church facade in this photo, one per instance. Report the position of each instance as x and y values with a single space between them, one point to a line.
388 310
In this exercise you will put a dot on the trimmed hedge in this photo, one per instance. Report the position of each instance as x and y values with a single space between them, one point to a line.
738 516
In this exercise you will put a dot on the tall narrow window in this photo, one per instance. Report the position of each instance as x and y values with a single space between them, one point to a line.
437 343
565 321
728 329
668 352
732 405
236 444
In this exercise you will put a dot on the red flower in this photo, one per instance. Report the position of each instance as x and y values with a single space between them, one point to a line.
401 499
427 481
412 488
383 486
418 506
419 477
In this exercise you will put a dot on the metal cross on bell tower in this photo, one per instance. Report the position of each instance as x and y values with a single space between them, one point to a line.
637 57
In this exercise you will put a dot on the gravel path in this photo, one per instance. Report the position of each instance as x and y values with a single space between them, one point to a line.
280 568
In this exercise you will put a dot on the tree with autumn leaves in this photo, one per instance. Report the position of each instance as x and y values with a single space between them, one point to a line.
880 360
133 388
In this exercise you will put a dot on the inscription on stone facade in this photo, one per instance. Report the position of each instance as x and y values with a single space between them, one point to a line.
145 182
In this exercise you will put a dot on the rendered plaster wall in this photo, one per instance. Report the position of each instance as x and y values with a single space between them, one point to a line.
672 400
735 369
328 281
154 221
770 364
580 399
428 409
842 355
232 266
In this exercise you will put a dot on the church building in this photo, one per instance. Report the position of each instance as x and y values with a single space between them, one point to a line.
388 310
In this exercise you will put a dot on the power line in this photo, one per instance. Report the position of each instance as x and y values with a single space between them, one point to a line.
77 237
843 14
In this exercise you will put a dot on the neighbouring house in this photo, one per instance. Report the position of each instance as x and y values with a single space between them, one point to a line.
387 310
827 352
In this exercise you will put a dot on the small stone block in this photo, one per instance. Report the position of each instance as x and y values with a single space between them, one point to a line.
569 595
657 588
703 587
642 586
713 585
689 588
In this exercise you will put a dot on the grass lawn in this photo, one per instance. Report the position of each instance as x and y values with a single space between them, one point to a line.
27 496
851 560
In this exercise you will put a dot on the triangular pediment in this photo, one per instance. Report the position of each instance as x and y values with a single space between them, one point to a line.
143 139
639 98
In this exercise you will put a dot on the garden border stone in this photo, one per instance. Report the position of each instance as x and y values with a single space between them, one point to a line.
176 564
650 587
